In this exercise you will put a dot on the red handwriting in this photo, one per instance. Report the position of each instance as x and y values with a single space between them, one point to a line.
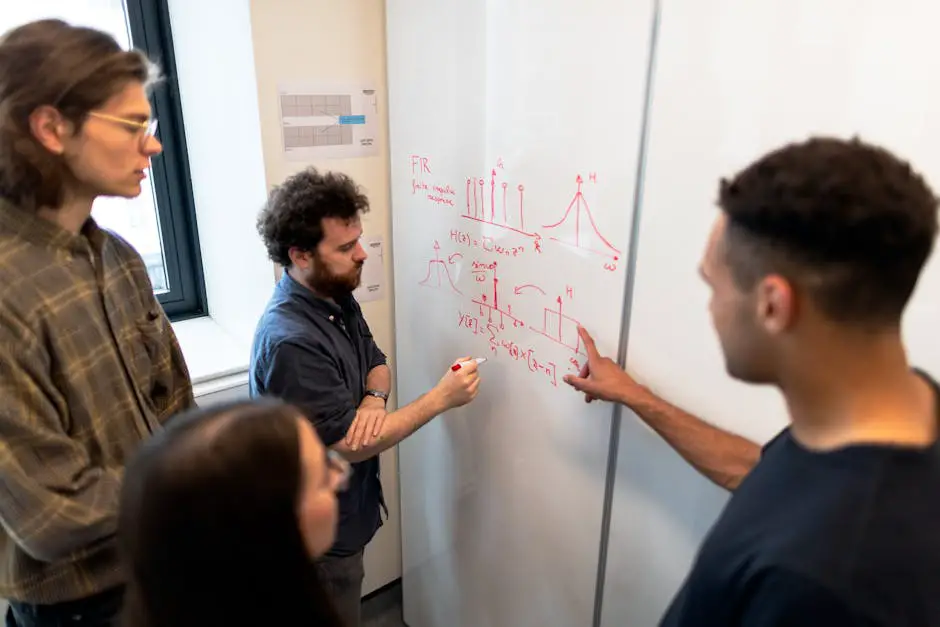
482 265
440 194
486 209
521 288
420 163
484 242
438 271
441 200
560 328
577 228
468 321
516 353
499 346
480 268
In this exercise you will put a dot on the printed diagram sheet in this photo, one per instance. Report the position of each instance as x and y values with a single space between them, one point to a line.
373 272
328 121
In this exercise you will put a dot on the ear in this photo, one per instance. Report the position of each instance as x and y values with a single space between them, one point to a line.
50 129
302 259
776 304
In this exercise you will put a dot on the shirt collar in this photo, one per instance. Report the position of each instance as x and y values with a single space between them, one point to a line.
28 225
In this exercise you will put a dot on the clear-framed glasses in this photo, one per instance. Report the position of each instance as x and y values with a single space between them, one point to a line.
335 462
147 128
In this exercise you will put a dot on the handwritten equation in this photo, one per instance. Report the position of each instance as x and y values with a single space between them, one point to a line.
488 244
492 316
512 350
514 319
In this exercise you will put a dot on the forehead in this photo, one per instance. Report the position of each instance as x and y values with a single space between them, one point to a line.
130 100
341 231
715 239
712 264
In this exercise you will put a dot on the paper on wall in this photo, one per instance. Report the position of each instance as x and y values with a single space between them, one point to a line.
323 120
373 272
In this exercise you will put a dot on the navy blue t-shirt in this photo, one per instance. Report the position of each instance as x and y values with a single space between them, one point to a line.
844 537
317 354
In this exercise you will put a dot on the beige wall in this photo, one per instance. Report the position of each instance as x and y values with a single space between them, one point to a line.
329 40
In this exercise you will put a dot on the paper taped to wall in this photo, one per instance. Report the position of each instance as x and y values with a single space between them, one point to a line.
328 121
373 272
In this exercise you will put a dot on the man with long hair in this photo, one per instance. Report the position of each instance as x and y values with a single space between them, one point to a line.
89 365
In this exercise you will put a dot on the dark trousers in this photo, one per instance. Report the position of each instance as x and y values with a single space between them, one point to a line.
342 578
101 610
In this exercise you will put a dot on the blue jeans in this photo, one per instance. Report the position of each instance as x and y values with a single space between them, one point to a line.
101 610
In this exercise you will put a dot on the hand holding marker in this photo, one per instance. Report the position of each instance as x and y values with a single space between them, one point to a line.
459 364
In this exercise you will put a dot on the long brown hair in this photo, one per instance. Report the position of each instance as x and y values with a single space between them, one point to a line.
208 523
72 68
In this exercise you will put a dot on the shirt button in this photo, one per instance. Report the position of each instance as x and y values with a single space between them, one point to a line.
331 318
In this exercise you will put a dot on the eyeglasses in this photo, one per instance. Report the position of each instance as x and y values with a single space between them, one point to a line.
148 128
336 462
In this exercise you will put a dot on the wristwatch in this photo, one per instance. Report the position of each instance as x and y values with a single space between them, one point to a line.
378 394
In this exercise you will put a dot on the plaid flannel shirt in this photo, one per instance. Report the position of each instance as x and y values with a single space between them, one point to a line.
89 368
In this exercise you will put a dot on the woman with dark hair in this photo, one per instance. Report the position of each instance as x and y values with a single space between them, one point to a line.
221 516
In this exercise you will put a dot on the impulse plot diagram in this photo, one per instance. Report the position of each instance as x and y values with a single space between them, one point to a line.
490 303
559 327
492 202
577 228
439 272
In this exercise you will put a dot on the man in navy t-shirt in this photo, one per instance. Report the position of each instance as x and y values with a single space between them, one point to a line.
811 262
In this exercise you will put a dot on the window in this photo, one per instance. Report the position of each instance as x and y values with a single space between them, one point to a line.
161 222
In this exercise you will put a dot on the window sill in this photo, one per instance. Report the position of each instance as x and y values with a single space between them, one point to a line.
228 192
217 361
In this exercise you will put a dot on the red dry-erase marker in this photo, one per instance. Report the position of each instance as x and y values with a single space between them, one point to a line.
456 367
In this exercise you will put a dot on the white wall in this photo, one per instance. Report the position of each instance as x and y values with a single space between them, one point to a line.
218 92
322 40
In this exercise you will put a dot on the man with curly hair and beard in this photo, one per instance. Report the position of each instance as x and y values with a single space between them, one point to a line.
811 262
313 349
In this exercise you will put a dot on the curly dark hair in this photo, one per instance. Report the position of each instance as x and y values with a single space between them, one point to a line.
293 215
846 221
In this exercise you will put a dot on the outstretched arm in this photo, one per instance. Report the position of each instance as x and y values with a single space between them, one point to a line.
721 456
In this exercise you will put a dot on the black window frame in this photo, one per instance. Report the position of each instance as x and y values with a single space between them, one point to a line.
149 25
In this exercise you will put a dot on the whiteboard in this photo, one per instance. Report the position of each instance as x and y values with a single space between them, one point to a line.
514 134
734 79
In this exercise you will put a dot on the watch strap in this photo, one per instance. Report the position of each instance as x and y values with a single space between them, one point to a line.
378 394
